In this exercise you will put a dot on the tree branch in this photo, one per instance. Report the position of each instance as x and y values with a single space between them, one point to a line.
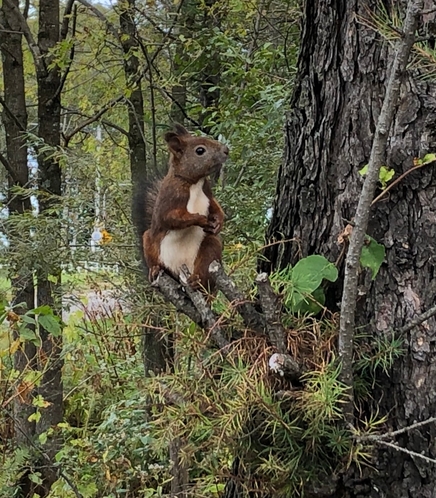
252 319
110 104
33 46
66 19
172 292
9 169
398 180
390 435
92 119
272 307
417 321
70 60
12 115
285 366
405 450
352 265
111 28
210 321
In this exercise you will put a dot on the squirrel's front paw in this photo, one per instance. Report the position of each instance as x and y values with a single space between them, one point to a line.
194 281
214 225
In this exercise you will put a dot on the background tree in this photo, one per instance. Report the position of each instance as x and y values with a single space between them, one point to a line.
80 87
342 73
14 117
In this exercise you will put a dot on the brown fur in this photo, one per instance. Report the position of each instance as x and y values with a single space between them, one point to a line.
185 188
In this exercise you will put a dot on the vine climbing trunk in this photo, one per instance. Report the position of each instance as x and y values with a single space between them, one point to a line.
343 70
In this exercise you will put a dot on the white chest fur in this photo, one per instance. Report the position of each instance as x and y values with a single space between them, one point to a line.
180 247
198 201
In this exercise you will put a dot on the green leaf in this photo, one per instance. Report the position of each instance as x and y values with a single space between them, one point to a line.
51 324
386 175
311 304
28 319
27 334
35 477
428 158
43 310
36 416
309 272
364 170
372 255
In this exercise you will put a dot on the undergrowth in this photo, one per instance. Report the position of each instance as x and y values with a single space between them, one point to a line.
119 424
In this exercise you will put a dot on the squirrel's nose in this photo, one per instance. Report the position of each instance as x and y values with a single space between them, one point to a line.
226 150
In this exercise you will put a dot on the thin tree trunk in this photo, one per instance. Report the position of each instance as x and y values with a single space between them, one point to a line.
342 73
135 103
49 276
155 354
14 119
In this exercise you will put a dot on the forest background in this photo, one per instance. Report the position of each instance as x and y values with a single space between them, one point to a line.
106 389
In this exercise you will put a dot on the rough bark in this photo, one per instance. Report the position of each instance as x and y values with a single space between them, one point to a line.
14 117
342 73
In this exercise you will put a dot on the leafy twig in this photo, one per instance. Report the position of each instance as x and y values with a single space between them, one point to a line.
397 180
352 265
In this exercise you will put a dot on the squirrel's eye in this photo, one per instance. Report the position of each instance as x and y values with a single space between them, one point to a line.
200 151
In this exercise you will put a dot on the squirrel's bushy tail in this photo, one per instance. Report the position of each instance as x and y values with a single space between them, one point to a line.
143 201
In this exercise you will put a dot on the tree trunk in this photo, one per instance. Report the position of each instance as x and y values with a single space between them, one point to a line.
14 119
135 103
155 352
49 274
342 71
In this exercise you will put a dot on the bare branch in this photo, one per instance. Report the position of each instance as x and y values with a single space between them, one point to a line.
398 180
285 366
66 19
405 450
390 435
9 169
349 297
210 321
12 115
70 59
272 307
172 292
251 317
417 321
93 118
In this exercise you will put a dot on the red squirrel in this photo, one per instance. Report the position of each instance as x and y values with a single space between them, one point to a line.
186 217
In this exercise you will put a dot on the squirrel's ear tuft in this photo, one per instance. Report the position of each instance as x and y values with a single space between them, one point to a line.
174 143
179 129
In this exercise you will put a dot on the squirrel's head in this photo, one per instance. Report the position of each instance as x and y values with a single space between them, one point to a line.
193 157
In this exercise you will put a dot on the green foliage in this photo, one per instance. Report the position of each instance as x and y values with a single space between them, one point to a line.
385 175
372 255
118 425
301 284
